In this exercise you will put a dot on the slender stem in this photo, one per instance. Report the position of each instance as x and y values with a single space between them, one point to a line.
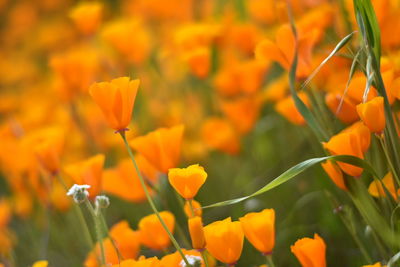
205 259
79 216
270 262
191 207
385 150
98 225
150 200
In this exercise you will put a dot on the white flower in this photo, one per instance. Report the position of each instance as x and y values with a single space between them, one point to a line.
193 260
79 192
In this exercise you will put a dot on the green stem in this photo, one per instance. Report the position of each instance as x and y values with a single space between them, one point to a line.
205 259
97 225
79 216
191 207
389 161
150 200
270 262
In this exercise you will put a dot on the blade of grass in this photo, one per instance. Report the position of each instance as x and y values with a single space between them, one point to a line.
296 170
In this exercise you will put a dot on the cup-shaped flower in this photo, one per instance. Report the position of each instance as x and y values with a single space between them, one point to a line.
141 262
161 147
310 251
87 16
116 100
175 259
335 173
372 114
89 171
377 188
196 231
259 229
224 240
152 233
193 207
187 181
346 143
127 241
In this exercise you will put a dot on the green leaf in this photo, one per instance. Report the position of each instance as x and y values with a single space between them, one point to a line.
339 46
369 26
301 107
296 170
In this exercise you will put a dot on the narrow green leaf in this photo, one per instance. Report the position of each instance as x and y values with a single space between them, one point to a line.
339 46
296 170
301 107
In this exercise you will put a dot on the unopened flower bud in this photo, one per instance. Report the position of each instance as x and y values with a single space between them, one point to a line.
102 202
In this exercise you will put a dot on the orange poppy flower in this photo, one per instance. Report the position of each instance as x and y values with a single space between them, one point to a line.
142 262
372 114
335 173
219 134
376 188
40 264
125 239
196 231
310 252
161 147
362 132
152 234
89 171
224 240
199 61
259 229
282 50
87 16
187 181
5 213
175 259
196 207
243 112
287 109
116 100
130 38
347 112
347 143
123 181
75 70
48 151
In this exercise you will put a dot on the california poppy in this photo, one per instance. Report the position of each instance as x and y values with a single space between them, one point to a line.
89 171
310 252
224 240
187 181
259 229
372 114
161 147
116 100
196 231
152 233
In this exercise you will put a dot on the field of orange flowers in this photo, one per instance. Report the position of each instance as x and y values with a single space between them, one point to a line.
199 133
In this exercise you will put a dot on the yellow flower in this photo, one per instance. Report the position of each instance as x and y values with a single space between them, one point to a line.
310 252
152 234
259 229
40 264
116 100
224 240
376 188
187 181
196 231
372 114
